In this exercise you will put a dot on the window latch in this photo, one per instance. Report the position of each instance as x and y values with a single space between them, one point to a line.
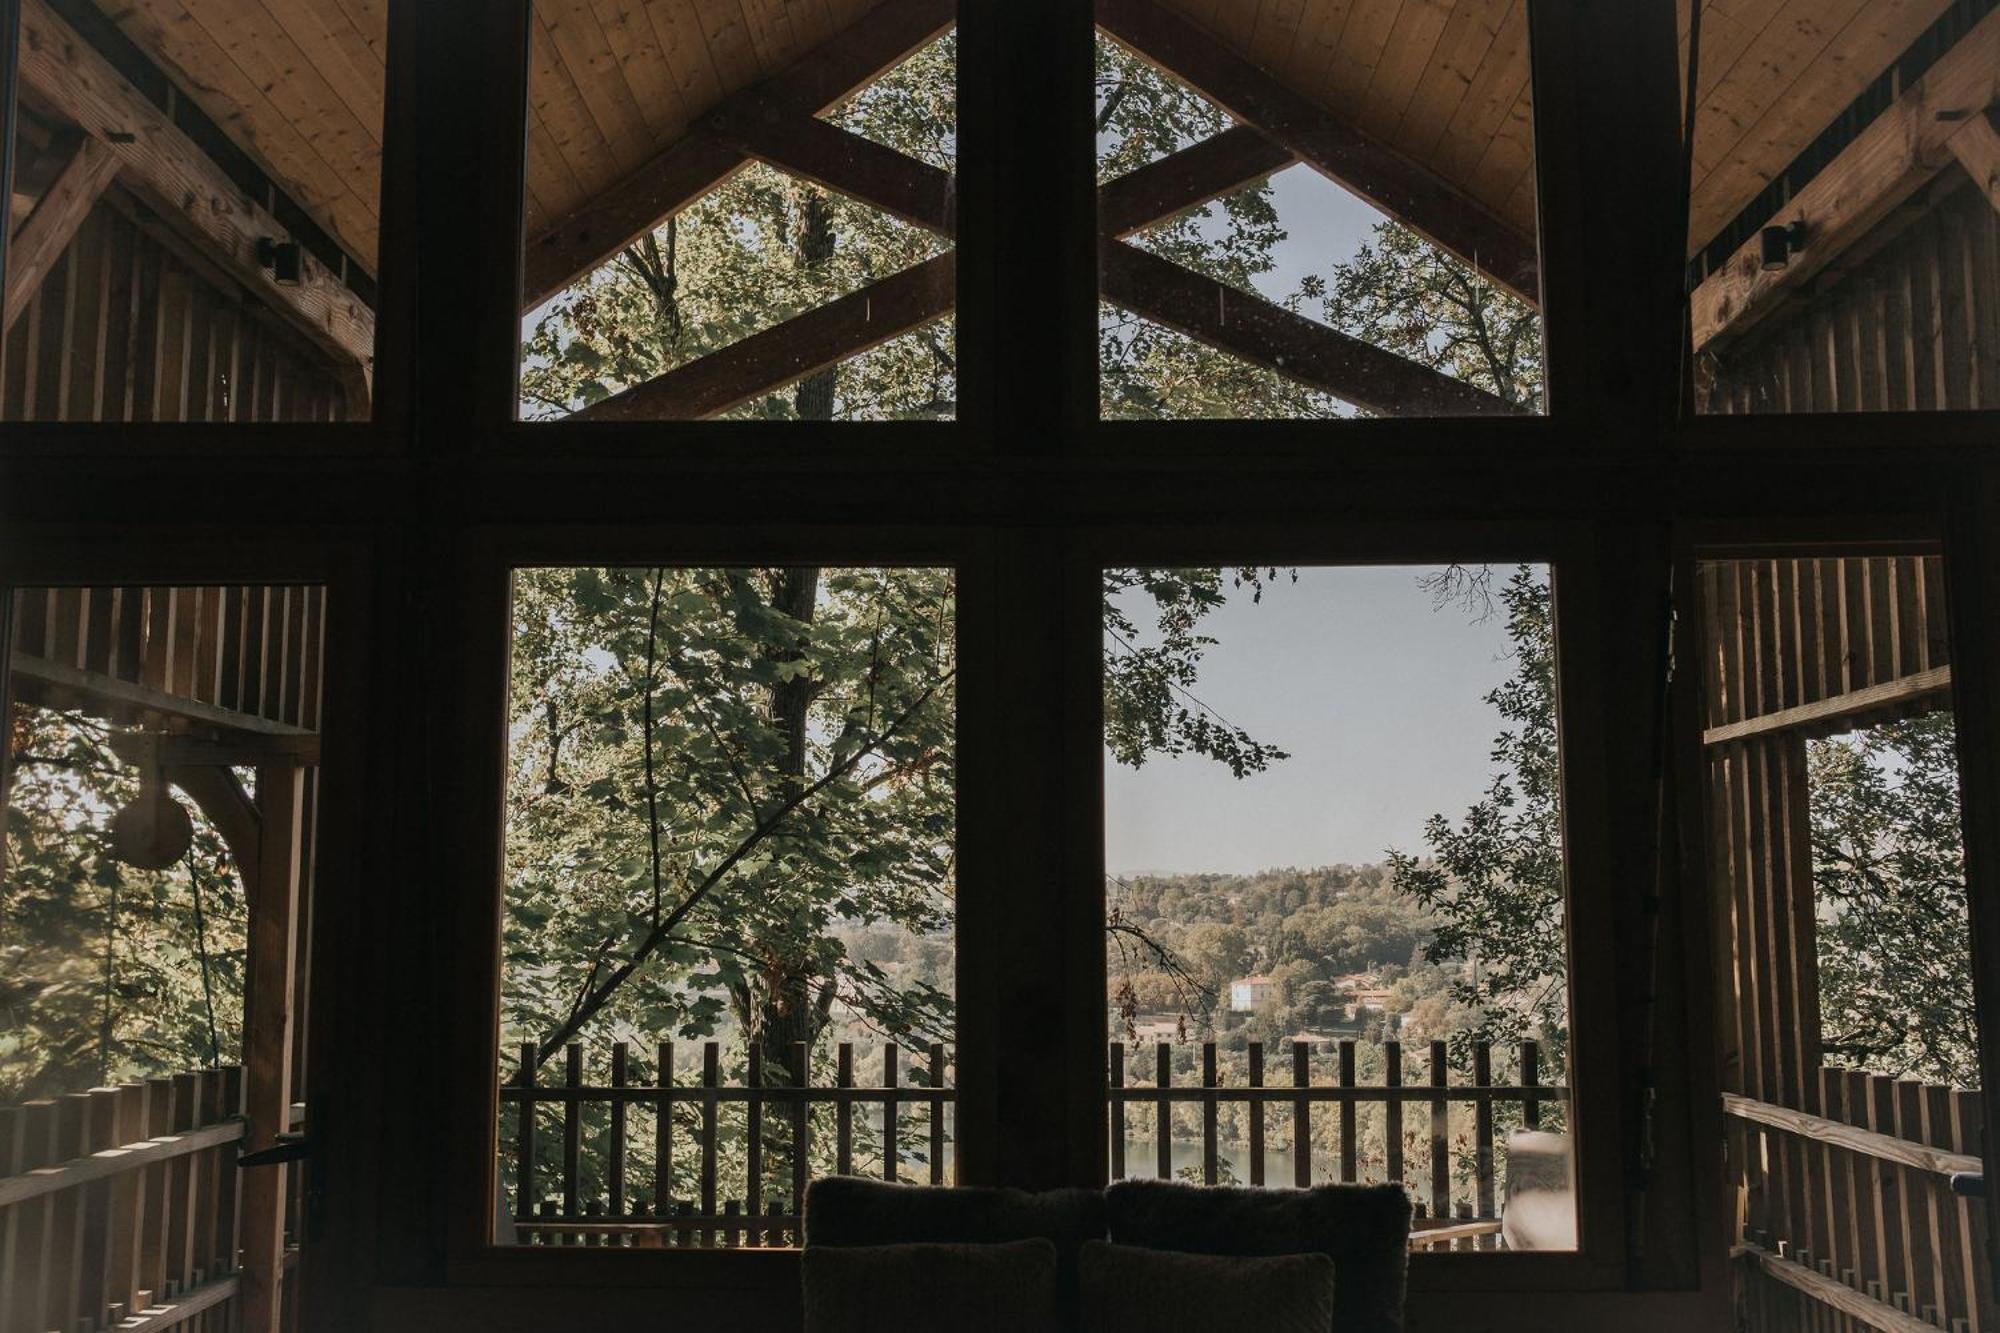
284 1148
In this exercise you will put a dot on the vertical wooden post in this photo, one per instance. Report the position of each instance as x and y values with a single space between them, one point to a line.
1208 1082
1302 1143
267 1033
1256 1109
1117 1071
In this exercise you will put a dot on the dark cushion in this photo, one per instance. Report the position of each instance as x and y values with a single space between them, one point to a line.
846 1210
963 1288
1363 1229
1130 1290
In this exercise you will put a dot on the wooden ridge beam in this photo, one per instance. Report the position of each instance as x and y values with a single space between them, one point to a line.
1198 174
91 168
1268 335
698 162
161 164
786 353
1888 162
1404 189
759 125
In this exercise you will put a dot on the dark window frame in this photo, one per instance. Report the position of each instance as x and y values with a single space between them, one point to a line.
407 513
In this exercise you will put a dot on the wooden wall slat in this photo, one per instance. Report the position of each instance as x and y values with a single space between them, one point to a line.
1915 325
123 328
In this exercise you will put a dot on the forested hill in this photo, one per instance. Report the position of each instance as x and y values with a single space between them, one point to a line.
1176 935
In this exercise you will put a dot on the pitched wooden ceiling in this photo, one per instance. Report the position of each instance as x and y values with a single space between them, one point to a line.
299 83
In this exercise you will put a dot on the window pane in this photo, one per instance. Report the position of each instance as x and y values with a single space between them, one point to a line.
1843 231
1343 896
730 822
743 214
126 303
1843 942
1319 213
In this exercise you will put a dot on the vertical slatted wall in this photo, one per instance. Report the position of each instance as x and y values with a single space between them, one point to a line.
1778 635
252 650
131 325
1913 326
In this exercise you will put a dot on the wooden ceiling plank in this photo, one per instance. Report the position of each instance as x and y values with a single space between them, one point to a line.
782 355
1270 336
769 24
686 52
345 58
1412 46
1511 150
697 163
1172 185
236 103
556 103
1274 38
1319 41
370 18
54 222
1885 165
1391 182
187 189
730 49
1879 32
1766 71
1362 42
643 66
267 53
600 81
1443 87
1490 99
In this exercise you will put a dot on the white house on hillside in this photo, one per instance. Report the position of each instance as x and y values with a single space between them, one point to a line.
1250 994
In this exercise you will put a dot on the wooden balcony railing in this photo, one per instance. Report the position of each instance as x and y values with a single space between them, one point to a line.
1846 1215
1455 1193
118 1206
902 1127
681 1159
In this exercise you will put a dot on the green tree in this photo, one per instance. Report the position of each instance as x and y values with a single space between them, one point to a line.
1894 944
1493 880
107 972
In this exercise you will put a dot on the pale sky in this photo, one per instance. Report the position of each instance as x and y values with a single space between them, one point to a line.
1377 695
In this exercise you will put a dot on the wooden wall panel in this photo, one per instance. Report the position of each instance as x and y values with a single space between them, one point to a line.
128 325
1912 323
251 651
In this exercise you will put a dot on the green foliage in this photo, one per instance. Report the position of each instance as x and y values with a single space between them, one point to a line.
1494 879
729 265
101 975
1894 945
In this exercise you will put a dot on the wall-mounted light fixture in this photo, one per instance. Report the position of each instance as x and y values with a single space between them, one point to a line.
1779 244
285 259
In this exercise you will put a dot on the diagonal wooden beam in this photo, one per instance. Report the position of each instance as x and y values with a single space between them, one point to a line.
91 168
759 125
786 353
1899 153
1977 148
158 161
1268 335
1393 183
1198 174
699 162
